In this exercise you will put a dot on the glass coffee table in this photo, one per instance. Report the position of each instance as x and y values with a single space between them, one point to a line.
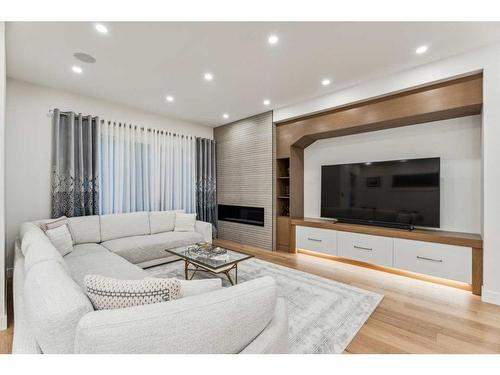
211 259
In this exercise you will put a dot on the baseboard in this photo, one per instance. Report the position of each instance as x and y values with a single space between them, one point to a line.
491 296
3 322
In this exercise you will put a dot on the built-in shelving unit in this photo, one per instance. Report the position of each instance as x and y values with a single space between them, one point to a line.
283 204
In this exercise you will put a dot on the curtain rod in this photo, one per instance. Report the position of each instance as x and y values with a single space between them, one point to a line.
66 113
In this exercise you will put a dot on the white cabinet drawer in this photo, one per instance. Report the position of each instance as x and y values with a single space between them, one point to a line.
316 239
446 261
366 248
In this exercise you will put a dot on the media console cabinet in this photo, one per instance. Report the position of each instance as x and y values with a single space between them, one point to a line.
447 255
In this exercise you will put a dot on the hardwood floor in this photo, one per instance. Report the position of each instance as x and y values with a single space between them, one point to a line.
414 317
6 336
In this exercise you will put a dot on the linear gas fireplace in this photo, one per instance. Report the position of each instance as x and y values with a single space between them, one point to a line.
242 214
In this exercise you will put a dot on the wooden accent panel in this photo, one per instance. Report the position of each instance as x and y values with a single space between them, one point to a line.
283 233
437 236
456 98
477 270
293 238
296 182
245 176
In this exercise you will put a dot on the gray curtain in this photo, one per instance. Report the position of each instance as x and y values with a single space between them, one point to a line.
75 164
206 193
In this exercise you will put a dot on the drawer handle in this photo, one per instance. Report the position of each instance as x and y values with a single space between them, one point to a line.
314 239
363 248
430 259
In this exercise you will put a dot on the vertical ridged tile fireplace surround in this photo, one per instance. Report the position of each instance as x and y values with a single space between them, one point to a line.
245 177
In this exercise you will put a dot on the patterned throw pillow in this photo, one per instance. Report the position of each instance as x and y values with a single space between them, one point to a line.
107 293
61 239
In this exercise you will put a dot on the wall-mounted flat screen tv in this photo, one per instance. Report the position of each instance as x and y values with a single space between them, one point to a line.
402 193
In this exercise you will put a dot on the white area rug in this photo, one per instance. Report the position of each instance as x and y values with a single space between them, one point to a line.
324 315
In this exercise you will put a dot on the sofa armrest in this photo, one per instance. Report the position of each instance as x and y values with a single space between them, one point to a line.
274 338
205 229
222 321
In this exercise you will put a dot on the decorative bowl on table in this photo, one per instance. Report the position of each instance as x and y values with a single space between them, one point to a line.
206 249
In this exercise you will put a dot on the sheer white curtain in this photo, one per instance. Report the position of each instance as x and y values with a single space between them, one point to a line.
146 169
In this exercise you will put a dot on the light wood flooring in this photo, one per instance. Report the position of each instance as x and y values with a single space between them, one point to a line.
414 317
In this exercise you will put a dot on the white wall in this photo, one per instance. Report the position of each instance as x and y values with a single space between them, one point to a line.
28 150
3 302
486 59
457 142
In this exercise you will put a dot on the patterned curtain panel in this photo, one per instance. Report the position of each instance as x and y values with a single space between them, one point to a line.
75 164
206 179
146 169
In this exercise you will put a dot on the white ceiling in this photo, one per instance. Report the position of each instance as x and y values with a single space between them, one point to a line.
139 63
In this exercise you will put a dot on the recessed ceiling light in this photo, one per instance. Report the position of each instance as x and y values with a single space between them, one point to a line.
101 28
77 69
208 76
326 82
422 49
169 98
273 39
225 115
266 102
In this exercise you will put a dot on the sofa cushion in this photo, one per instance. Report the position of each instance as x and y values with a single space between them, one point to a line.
185 222
94 259
162 221
61 239
54 304
138 249
85 229
191 288
124 225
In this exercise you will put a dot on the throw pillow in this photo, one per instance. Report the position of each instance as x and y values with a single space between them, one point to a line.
184 222
107 293
63 220
61 239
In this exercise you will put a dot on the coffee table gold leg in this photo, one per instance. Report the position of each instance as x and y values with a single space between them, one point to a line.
229 277
186 268
236 273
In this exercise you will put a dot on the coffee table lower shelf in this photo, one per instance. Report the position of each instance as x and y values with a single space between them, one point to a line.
199 268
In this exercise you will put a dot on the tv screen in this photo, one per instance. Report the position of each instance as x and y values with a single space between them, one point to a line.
400 192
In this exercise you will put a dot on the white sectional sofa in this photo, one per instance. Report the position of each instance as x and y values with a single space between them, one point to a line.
54 315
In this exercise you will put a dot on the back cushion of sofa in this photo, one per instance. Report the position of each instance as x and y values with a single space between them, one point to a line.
162 221
124 225
85 229
54 304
